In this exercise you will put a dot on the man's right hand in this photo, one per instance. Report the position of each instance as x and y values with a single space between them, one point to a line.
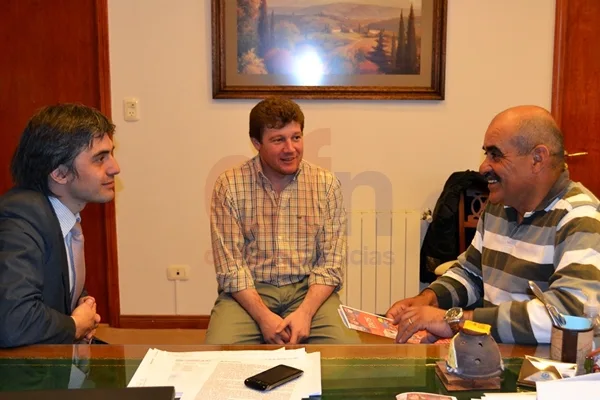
268 325
426 298
85 318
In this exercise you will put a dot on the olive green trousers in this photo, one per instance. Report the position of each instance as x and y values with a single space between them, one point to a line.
231 324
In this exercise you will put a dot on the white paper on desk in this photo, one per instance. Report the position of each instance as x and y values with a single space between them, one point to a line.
140 376
158 369
423 396
186 371
309 384
226 380
190 370
509 396
311 379
232 354
585 386
151 371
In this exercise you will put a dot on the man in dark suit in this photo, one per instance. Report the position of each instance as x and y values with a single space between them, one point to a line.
63 161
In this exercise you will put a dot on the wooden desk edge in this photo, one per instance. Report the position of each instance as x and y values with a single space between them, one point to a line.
415 351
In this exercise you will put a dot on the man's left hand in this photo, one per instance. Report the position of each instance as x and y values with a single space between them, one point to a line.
427 318
298 323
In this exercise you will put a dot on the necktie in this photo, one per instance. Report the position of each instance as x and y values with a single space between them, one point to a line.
78 262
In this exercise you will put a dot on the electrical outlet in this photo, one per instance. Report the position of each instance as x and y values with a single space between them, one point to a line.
178 272
131 109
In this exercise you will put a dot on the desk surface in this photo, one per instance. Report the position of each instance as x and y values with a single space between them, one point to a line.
348 372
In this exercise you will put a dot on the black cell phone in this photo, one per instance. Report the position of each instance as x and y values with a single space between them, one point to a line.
273 377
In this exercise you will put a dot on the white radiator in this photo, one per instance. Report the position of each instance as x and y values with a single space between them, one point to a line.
383 259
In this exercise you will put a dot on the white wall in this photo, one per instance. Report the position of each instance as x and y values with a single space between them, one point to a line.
499 54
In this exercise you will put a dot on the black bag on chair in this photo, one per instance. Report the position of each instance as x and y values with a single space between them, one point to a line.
441 239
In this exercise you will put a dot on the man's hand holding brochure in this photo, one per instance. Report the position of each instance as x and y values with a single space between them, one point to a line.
376 325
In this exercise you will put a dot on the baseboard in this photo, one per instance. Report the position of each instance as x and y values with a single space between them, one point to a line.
164 321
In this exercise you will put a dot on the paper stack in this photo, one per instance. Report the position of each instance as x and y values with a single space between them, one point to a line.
508 396
423 396
220 375
583 387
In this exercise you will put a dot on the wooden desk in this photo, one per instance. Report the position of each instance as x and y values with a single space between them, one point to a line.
348 372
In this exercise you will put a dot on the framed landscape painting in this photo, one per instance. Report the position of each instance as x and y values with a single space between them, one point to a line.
329 49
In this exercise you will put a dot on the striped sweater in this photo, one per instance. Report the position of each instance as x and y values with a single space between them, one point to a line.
557 246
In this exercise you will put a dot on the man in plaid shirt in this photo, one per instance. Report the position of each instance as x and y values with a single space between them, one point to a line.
538 225
278 228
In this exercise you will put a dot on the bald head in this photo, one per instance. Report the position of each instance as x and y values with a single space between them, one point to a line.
534 126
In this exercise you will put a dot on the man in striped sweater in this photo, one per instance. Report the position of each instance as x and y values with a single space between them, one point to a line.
538 225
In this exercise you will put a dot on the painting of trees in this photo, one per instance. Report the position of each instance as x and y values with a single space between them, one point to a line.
378 55
329 49
352 38
272 28
247 12
264 37
286 34
412 64
401 47
406 60
250 63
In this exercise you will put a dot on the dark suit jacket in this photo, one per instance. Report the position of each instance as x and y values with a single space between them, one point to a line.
35 304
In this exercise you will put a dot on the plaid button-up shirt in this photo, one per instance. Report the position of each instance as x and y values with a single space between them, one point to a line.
258 235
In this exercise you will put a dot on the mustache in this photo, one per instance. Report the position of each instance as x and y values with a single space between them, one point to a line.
491 176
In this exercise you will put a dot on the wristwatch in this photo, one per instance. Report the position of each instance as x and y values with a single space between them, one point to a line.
453 317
